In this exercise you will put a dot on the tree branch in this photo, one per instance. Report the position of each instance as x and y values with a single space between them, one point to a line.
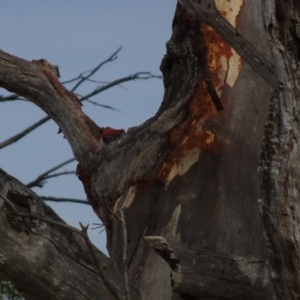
101 105
82 78
11 97
34 248
23 133
37 82
106 86
82 233
39 181
135 76
60 199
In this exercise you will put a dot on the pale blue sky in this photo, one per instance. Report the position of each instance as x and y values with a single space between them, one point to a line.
77 35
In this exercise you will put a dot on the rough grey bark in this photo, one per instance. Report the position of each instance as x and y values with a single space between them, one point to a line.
199 274
46 261
279 169
189 174
212 202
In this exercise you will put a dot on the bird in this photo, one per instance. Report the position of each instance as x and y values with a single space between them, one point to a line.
109 134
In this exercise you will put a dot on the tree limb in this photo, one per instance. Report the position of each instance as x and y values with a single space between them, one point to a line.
31 248
98 90
36 81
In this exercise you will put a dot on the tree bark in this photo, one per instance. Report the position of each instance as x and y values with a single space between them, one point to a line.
279 168
199 274
47 261
208 189
189 174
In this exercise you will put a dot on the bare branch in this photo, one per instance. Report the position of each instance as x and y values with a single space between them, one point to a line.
101 271
99 225
80 77
61 173
23 133
113 57
136 76
102 105
11 97
60 199
39 181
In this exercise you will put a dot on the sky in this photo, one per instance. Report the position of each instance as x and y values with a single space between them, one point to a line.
78 35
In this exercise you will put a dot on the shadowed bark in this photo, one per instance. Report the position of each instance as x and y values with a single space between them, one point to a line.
198 273
48 261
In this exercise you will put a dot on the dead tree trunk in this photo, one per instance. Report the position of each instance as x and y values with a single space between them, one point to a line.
205 193
185 182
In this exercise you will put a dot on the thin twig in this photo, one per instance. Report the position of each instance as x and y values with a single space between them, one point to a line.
11 97
99 225
81 75
125 267
61 173
39 180
23 133
101 270
136 76
76 78
113 57
102 105
70 200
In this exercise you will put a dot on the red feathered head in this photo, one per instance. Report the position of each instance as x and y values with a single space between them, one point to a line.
109 134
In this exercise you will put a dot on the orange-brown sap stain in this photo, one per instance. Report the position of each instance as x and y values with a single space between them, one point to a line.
192 133
216 48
